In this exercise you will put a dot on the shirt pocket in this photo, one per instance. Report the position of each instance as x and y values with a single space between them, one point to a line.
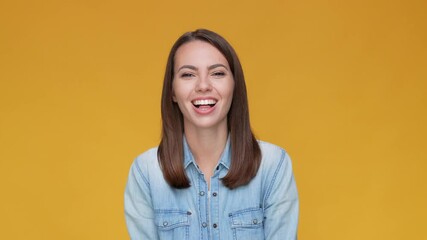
247 224
172 224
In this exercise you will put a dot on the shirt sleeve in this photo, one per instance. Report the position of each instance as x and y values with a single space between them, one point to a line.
281 207
138 206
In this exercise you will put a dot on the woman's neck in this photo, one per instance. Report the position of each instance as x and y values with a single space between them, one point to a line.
207 146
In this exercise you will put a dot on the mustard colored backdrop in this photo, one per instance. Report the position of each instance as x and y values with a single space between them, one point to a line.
342 85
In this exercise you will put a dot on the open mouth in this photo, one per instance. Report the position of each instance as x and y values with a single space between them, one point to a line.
204 103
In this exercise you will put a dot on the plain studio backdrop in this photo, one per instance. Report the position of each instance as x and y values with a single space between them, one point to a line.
341 85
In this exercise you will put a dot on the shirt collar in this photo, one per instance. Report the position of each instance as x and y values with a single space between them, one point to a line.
225 158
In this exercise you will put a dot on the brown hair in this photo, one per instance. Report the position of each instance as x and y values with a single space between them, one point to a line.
245 151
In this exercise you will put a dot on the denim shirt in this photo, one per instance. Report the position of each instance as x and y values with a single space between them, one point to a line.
266 208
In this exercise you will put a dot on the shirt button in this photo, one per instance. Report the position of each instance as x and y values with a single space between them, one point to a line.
165 223
204 224
188 213
215 225
214 194
255 221
201 193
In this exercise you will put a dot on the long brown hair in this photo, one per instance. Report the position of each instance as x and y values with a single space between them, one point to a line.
245 151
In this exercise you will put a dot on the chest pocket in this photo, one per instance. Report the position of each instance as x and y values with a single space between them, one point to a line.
247 224
172 224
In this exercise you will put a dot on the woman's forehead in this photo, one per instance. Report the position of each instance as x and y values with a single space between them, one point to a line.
199 53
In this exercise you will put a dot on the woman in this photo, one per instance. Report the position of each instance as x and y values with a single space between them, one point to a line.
209 178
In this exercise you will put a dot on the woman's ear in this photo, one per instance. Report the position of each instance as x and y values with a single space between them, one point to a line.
173 97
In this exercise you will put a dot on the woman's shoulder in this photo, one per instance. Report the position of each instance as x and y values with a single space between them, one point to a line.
272 155
147 160
270 148
148 155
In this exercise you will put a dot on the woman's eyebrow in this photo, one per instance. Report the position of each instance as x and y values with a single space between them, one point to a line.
217 65
209 68
188 66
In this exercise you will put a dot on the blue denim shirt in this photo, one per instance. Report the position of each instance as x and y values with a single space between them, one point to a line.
266 208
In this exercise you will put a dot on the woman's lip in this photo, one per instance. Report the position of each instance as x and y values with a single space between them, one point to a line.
204 109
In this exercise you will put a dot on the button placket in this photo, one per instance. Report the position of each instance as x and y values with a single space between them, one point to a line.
203 206
215 205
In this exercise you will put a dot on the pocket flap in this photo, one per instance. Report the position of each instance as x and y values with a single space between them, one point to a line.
252 217
169 219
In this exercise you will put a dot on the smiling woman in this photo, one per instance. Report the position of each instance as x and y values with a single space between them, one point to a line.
209 178
202 87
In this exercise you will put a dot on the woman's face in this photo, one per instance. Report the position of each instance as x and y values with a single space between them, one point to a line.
202 86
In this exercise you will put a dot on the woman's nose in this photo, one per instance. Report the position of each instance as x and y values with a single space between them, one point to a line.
203 84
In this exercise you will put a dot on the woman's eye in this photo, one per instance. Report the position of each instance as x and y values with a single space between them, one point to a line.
218 74
186 75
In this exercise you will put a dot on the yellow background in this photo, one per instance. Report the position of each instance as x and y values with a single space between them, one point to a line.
342 85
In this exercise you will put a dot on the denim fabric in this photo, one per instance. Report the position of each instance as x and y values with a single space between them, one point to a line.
266 208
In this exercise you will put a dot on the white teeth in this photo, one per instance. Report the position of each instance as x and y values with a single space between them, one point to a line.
204 102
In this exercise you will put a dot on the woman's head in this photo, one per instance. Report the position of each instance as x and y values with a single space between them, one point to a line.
202 87
170 110
245 150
